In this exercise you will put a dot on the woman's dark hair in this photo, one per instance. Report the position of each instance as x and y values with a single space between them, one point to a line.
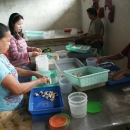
12 20
92 11
3 30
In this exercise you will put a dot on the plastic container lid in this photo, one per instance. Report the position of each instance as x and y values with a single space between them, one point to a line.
94 107
58 121
63 114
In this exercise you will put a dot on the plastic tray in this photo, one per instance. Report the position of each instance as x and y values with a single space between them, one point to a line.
49 74
97 75
92 53
67 63
69 48
34 34
106 64
40 105
115 68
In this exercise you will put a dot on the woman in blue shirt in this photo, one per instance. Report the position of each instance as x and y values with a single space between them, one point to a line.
11 91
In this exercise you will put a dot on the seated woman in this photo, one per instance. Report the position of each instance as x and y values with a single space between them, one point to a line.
124 53
19 53
13 116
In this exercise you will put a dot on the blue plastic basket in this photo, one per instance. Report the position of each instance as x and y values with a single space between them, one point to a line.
34 34
115 68
97 75
40 105
106 64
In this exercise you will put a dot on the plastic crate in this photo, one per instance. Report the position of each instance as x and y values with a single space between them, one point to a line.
92 53
97 75
67 63
34 34
115 68
69 48
40 105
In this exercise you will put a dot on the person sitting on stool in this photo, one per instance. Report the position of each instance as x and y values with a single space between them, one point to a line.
94 36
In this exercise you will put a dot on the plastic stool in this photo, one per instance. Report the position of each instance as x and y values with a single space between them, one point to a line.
24 79
101 52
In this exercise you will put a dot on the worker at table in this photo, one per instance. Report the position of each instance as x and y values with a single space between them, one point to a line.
94 36
13 112
124 53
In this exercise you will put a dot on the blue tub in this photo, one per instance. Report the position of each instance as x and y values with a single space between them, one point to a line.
110 66
40 105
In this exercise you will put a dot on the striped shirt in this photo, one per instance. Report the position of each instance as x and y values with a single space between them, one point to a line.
18 52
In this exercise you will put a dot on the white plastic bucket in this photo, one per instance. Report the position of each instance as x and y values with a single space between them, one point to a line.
51 33
73 32
65 85
42 63
91 61
78 104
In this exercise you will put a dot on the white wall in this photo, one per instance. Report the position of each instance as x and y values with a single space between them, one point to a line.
43 14
117 34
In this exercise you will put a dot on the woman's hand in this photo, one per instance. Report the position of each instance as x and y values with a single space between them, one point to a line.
35 53
42 77
101 59
118 74
38 50
82 36
43 80
38 75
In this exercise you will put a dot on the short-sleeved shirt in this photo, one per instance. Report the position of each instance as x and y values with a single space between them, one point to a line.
96 27
8 101
126 52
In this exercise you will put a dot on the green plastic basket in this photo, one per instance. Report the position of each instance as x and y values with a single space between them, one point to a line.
34 34
96 75
51 74
69 48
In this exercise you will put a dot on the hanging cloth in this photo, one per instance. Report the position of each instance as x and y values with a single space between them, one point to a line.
100 12
111 15
108 3
95 4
